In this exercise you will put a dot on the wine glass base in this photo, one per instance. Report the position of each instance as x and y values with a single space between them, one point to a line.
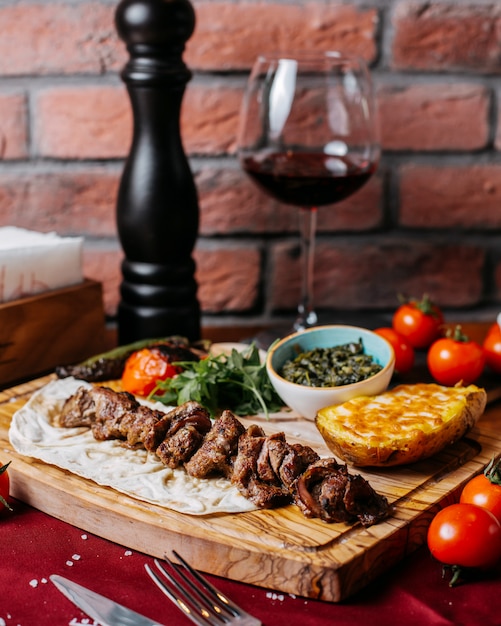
305 321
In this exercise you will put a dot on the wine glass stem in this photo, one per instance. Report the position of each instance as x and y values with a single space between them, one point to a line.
306 313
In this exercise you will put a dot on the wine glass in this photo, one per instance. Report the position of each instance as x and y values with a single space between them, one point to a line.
308 137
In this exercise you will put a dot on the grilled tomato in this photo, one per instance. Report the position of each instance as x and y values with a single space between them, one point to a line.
144 368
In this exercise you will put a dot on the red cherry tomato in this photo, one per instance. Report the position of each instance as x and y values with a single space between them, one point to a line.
404 352
485 490
419 322
492 348
144 368
455 359
465 535
4 488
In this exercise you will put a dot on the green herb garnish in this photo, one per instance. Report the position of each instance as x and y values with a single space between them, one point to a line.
237 381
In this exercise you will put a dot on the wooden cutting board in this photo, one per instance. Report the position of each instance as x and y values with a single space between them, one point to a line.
278 549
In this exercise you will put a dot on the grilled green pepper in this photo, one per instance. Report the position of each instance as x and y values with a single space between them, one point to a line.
110 365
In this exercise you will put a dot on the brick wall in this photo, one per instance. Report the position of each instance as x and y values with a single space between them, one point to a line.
429 221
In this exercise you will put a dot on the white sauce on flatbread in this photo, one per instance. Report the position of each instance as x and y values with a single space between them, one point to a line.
136 473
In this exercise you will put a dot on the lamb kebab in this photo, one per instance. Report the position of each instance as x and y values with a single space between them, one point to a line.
266 469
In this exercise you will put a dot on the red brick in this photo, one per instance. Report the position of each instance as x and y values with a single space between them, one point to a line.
13 126
76 202
230 203
361 275
434 117
103 265
82 122
95 122
230 36
66 38
497 138
228 278
59 38
209 118
450 197
446 35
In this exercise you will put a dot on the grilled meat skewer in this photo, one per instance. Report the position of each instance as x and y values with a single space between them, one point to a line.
173 436
266 469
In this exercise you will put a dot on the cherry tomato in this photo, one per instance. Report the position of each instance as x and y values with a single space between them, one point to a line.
419 322
404 352
4 487
455 359
485 490
492 348
465 535
144 368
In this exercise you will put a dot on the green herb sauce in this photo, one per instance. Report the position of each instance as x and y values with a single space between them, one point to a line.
331 367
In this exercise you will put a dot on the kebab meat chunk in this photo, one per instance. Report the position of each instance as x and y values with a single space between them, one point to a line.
118 415
265 492
110 415
327 490
184 431
216 455
266 469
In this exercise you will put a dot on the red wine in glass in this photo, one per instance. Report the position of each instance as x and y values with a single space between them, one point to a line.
307 179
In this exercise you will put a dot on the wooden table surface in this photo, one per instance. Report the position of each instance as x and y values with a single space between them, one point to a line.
412 593
345 558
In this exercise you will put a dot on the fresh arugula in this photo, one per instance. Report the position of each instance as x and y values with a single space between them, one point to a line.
237 381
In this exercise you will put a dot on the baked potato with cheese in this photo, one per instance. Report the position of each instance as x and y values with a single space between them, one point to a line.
400 426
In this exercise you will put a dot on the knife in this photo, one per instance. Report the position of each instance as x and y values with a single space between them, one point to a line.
101 609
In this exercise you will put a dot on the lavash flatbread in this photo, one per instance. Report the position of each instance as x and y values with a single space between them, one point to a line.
136 473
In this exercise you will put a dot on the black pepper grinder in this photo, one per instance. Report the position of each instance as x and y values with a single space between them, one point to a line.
157 204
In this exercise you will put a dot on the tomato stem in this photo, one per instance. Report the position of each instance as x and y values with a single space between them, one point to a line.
425 305
457 573
457 334
493 472
5 504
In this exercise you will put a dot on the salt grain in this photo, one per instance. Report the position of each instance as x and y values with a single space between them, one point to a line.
275 596
34 583
84 537
69 563
76 557
128 553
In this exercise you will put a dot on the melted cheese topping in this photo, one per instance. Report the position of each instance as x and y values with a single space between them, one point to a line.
397 414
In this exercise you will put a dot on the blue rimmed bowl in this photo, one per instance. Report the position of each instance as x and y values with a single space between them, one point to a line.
308 400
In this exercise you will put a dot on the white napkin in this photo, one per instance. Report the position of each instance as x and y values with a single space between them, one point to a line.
31 262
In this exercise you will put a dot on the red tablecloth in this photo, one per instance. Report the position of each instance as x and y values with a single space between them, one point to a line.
34 546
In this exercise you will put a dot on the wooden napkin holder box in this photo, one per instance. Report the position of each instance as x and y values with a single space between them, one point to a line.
56 327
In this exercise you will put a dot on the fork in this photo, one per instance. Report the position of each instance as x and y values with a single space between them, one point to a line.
200 601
